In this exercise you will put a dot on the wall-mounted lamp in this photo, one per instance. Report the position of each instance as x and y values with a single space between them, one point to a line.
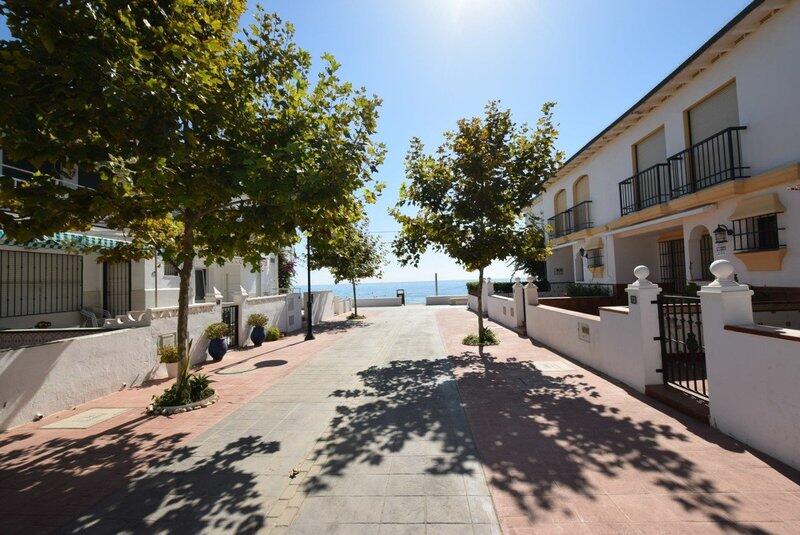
721 234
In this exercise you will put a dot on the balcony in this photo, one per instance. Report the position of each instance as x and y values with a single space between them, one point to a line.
712 161
19 175
576 218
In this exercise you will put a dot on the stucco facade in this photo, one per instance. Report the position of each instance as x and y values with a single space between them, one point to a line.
754 59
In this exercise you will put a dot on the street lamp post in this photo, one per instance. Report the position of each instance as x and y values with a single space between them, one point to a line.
310 299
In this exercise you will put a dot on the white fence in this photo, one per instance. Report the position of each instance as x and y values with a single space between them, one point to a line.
752 370
58 375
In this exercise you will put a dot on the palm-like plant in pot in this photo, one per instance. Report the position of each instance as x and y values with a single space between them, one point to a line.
170 357
258 334
217 343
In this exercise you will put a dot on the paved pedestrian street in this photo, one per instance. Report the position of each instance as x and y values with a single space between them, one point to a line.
388 426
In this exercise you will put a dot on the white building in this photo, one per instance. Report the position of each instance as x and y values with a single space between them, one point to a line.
699 169
46 280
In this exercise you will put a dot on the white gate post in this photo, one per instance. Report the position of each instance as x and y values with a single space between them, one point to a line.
723 302
488 289
519 303
644 316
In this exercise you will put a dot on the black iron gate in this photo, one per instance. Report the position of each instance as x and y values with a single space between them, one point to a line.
683 355
117 287
230 317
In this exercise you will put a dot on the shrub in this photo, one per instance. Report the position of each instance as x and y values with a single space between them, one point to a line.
355 316
503 287
217 330
692 288
273 333
169 354
588 290
472 288
199 387
489 338
257 320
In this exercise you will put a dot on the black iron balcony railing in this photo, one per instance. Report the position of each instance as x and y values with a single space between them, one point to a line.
581 216
20 175
644 189
709 162
560 224
714 160
577 218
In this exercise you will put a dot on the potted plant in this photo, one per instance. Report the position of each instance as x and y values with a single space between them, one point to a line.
273 333
170 357
217 344
258 334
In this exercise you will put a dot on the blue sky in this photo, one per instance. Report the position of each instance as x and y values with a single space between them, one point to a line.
434 61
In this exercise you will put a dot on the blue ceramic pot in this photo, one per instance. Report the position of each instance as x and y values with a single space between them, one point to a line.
258 335
217 348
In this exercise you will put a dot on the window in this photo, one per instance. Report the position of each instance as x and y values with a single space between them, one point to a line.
170 269
706 257
713 114
595 258
39 283
651 150
756 233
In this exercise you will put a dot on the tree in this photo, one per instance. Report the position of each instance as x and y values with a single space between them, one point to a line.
469 195
351 254
206 142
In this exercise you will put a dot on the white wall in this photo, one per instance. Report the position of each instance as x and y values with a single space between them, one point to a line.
201 315
753 382
59 375
558 328
502 310
275 307
768 107
379 302
322 305
472 303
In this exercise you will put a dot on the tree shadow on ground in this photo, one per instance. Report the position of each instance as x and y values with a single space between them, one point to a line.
124 479
538 434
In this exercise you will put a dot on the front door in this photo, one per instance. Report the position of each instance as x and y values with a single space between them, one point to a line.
117 287
199 285
673 267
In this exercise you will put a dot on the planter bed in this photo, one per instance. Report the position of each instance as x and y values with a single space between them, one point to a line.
165 411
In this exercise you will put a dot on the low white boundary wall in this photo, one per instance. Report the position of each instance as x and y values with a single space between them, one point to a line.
502 310
380 302
572 333
443 299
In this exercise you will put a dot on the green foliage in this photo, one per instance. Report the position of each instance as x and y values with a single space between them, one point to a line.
217 330
350 253
273 333
169 354
503 287
355 316
199 386
257 320
489 338
286 270
587 290
467 198
473 287
195 388
206 141
692 288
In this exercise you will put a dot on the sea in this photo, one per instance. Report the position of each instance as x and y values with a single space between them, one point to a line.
415 291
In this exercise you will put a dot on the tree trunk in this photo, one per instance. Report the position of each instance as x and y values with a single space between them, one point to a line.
185 274
480 307
355 299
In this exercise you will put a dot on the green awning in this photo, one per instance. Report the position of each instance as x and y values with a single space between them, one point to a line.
63 241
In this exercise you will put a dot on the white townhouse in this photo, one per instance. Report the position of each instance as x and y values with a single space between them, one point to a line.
699 169
46 280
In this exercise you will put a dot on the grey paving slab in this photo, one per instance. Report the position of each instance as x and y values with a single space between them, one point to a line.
368 436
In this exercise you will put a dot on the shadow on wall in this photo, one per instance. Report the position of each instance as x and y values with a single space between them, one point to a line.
537 434
128 480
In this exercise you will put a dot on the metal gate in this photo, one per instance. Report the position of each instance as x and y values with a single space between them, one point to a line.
683 356
117 287
230 317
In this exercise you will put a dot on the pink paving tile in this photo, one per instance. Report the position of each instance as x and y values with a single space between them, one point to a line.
552 441
66 471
